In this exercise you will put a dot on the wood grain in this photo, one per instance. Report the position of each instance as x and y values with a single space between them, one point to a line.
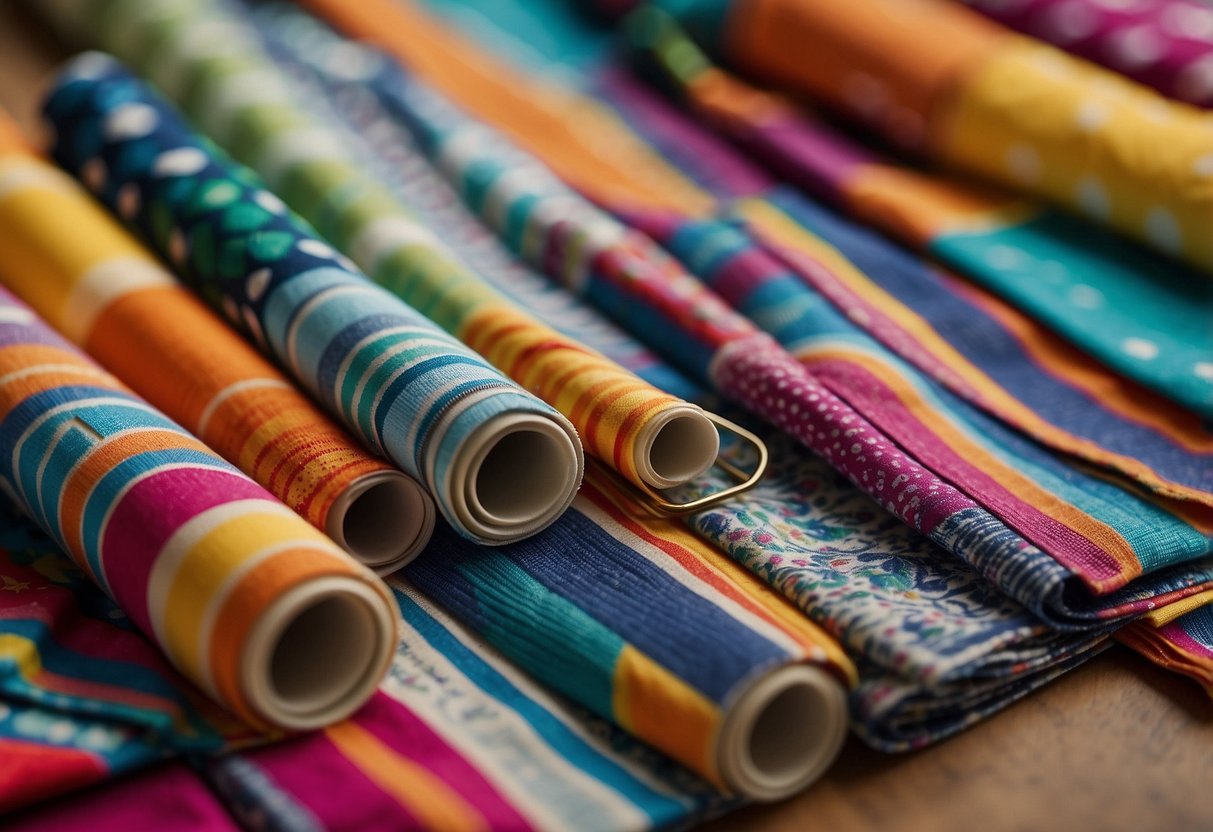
1116 745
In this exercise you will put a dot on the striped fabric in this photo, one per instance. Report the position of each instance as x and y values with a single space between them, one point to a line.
456 735
1144 316
636 283
889 597
404 387
1165 44
935 77
1184 645
647 436
175 535
113 299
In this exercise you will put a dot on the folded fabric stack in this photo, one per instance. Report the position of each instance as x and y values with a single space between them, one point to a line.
971 480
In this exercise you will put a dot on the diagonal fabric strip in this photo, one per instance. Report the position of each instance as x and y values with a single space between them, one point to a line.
937 78
111 297
1137 312
182 541
1164 44
501 463
647 436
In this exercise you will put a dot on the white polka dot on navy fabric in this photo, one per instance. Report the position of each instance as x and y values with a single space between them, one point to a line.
316 248
131 121
269 202
183 161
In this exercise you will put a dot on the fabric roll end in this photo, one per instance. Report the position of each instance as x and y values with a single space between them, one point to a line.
783 733
383 520
675 446
514 476
319 652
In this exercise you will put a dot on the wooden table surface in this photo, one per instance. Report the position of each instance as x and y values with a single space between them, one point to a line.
1115 745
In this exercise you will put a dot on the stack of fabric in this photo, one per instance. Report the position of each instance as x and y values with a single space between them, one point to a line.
395 281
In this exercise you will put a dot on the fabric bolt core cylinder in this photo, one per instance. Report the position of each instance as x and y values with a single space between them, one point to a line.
248 600
227 82
783 733
111 297
501 464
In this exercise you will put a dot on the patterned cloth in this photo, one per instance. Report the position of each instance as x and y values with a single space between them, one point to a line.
633 280
115 301
179 538
851 567
1143 316
936 78
403 386
1164 44
624 422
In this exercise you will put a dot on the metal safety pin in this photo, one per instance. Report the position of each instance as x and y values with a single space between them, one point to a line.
657 503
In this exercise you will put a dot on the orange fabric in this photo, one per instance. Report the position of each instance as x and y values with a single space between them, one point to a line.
889 61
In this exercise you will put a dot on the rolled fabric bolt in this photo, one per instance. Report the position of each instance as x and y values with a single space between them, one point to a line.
212 64
248 601
783 733
111 297
501 464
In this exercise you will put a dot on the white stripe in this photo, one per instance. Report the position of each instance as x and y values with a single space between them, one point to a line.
121 495
380 359
532 690
178 547
388 234
19 174
535 765
288 147
63 408
310 306
104 284
234 389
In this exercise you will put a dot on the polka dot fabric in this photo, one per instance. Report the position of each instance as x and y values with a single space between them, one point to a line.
1164 44
1033 117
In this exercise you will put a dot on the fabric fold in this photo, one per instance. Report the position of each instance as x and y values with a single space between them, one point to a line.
647 436
112 298
182 541
500 463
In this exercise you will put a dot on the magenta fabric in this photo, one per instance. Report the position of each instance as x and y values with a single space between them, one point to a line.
1164 44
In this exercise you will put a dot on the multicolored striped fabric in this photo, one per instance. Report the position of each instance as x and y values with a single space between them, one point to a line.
1184 645
182 540
479 162
404 387
647 436
935 77
112 298
85 697
1144 316
889 597
1164 44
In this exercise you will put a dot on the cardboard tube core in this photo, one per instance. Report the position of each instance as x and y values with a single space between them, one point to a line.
783 733
318 652
383 519
522 471
678 445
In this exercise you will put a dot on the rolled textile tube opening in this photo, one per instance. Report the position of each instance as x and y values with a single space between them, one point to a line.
317 653
519 473
383 519
783 733
677 445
